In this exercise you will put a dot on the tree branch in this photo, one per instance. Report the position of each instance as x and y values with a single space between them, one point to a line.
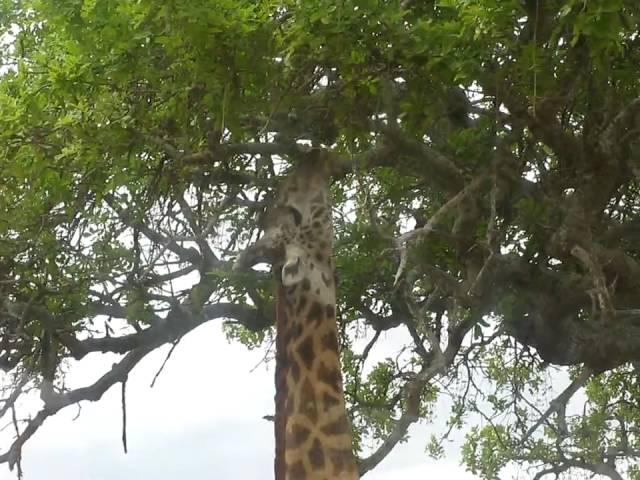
413 395
179 322
559 404
403 240
58 401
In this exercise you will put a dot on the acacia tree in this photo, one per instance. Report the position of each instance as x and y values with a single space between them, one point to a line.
488 204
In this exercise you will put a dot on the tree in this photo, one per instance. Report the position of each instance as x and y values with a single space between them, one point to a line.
488 204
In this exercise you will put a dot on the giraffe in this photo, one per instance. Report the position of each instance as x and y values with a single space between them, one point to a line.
297 241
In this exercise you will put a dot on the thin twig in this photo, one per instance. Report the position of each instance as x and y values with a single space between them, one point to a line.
13 397
265 357
18 457
173 347
123 400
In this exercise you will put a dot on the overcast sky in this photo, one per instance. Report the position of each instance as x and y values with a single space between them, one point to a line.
202 420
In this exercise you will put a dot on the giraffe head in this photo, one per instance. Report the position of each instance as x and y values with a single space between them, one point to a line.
297 230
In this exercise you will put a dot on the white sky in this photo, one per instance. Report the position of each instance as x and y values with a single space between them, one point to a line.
202 420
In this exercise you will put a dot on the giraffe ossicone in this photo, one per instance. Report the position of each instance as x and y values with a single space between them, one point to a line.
297 241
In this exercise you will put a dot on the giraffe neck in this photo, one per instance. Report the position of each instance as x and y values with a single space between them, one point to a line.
317 431
280 399
311 417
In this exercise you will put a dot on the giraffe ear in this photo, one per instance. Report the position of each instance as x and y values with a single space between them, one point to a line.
292 271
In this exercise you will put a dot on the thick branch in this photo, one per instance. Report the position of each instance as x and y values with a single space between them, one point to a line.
440 168
559 404
56 402
179 322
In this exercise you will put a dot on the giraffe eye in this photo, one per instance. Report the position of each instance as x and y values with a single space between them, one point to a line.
297 216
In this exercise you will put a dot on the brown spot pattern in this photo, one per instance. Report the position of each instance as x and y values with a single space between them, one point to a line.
330 341
330 311
318 213
329 401
297 472
296 331
340 460
315 312
302 302
298 436
307 405
295 371
291 290
329 375
305 350
316 455
337 427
